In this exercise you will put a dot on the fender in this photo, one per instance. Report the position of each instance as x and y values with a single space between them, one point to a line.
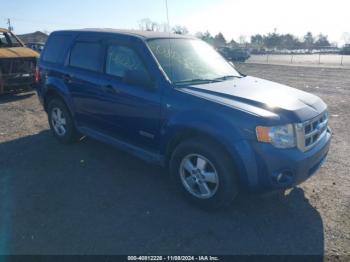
58 87
212 125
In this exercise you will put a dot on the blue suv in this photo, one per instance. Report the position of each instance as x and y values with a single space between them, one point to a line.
174 101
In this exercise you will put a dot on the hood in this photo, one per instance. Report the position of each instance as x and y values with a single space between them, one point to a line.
262 97
17 52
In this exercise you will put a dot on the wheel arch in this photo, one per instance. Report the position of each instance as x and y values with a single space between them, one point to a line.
53 92
188 133
238 151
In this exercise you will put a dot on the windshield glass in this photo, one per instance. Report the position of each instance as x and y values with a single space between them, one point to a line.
191 60
8 40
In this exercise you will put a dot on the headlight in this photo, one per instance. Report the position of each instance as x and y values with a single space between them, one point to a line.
279 136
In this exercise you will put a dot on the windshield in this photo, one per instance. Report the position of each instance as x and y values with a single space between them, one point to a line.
8 40
191 60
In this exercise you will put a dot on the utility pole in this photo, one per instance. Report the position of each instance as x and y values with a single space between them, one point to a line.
10 27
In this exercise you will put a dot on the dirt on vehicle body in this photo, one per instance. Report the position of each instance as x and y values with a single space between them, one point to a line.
17 62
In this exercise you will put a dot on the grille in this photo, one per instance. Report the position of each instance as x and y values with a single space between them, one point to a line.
17 66
310 132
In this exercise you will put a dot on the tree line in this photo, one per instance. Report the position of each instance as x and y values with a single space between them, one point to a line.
272 40
269 41
289 41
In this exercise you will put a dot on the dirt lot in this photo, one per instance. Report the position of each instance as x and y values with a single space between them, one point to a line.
89 198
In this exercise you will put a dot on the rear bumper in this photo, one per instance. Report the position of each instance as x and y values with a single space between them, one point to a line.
292 165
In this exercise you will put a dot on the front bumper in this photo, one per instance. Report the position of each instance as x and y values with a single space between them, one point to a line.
15 82
15 73
18 79
294 165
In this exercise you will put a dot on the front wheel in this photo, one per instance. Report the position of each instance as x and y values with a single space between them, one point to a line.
204 173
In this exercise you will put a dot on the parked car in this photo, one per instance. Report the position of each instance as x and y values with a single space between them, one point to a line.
217 131
38 47
234 54
17 63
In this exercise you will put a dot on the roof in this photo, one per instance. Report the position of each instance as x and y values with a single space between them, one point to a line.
34 37
135 33
2 30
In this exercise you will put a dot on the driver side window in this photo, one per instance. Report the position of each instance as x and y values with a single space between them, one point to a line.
121 59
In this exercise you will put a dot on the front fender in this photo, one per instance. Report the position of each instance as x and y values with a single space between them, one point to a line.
232 138
205 122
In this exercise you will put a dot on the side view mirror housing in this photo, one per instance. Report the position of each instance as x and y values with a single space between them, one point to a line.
138 78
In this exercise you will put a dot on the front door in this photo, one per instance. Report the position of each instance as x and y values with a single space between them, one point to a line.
133 109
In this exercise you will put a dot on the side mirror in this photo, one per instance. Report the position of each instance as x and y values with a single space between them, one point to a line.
139 78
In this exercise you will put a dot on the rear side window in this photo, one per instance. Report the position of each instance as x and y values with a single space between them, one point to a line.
56 49
86 55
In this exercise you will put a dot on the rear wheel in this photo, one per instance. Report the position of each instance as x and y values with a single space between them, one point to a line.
61 122
204 173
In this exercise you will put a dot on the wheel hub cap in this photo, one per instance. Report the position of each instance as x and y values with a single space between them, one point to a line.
58 121
199 176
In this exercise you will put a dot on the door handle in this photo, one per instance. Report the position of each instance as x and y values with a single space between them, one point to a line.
110 89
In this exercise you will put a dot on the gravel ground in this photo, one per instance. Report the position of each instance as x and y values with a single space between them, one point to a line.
89 198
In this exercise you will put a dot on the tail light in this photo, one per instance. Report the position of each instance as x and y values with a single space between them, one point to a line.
37 75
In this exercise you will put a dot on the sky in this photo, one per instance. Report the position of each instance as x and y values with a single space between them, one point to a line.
234 18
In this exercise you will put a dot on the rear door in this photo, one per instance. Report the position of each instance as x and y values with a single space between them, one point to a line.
83 78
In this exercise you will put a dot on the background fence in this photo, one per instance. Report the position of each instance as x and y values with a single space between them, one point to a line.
302 59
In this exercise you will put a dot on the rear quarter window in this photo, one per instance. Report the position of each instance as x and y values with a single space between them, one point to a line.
56 48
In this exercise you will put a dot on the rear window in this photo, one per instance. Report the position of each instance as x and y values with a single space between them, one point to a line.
86 55
56 49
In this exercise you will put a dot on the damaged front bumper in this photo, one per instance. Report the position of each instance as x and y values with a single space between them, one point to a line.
16 73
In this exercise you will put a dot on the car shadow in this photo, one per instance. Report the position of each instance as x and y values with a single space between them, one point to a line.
15 96
89 198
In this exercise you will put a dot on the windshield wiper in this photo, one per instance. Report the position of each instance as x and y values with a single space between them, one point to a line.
199 80
224 78
205 80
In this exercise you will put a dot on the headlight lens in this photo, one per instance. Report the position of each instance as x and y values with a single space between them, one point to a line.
279 136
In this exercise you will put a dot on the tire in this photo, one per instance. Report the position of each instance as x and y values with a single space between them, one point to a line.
59 115
223 186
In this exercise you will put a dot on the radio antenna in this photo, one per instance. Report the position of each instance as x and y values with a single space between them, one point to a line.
169 30
167 14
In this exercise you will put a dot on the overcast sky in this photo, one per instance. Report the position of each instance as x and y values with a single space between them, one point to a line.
232 17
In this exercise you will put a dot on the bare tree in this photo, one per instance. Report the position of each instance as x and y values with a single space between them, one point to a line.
164 27
147 24
180 30
309 41
243 40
